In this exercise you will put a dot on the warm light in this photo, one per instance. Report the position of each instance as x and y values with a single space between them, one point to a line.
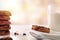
24 12
49 14
15 7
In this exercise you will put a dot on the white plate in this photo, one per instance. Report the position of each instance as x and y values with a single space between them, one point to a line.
52 35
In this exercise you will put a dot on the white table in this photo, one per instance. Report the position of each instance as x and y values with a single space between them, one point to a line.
22 29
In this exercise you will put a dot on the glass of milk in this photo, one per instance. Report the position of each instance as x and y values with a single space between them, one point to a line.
55 21
55 17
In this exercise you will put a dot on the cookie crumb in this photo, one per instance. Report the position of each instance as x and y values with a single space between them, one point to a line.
16 33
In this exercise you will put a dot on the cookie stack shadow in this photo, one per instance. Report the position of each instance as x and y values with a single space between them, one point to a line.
5 25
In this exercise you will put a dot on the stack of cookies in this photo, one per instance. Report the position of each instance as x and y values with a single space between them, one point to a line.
5 23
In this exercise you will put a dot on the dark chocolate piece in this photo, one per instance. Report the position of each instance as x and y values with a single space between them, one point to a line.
24 34
16 33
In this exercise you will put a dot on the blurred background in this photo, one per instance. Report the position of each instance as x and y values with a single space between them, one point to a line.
30 11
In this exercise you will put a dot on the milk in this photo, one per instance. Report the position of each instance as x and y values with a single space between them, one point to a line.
55 22
54 16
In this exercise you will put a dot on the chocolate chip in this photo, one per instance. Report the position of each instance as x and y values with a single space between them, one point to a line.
24 34
16 33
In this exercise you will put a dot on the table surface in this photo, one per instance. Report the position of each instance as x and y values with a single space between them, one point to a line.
20 29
